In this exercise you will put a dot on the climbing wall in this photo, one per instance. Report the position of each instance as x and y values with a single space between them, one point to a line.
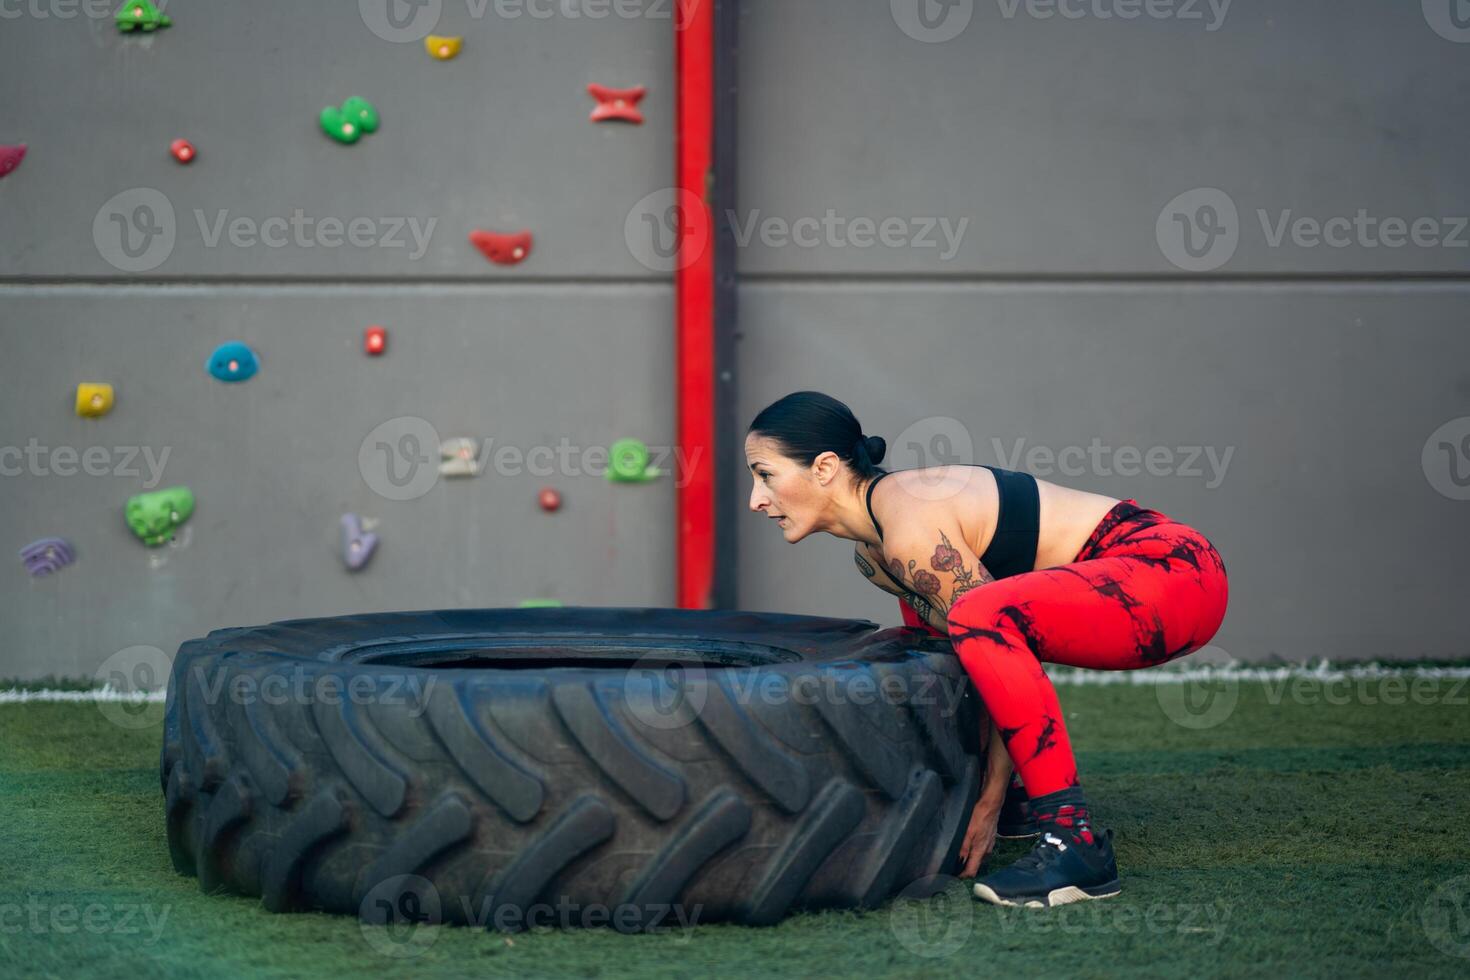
1070 330
182 189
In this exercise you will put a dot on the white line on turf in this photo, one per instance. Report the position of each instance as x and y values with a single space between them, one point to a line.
20 696
1237 672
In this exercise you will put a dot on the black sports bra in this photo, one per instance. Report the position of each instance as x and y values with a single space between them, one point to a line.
1017 526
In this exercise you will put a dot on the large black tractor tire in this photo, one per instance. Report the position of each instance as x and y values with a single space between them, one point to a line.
664 766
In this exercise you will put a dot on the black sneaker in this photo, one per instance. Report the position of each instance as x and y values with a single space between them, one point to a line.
1055 873
1016 819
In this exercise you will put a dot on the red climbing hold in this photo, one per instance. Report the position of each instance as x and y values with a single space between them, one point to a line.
182 150
617 104
502 249
10 158
375 340
550 499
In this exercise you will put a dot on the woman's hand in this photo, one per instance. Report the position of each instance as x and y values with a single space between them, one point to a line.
979 837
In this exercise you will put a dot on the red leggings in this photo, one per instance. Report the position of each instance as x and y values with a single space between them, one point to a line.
1143 590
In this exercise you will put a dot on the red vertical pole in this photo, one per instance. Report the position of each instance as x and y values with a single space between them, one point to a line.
694 292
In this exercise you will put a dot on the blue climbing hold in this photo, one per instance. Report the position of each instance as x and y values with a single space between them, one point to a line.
233 362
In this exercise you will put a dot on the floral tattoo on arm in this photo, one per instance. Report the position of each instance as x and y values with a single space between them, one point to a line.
921 588
946 558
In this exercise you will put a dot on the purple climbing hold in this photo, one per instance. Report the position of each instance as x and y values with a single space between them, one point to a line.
357 545
46 556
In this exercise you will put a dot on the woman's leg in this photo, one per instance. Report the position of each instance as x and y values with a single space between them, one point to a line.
1156 591
1145 590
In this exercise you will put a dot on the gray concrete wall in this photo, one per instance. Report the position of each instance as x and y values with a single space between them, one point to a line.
274 461
1069 313
571 347
1066 310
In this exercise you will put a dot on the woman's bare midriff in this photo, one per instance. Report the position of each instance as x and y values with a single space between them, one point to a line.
1067 517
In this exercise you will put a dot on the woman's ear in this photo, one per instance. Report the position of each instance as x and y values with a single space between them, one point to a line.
826 466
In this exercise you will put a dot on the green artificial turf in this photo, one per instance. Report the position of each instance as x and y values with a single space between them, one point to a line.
1302 834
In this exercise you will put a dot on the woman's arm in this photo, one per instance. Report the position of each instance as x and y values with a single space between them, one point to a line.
997 769
984 818
933 566
942 568
916 610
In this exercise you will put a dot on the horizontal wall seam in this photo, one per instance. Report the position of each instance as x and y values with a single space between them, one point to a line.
1109 279
332 286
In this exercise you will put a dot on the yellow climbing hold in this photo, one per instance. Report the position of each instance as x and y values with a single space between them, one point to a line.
443 48
94 399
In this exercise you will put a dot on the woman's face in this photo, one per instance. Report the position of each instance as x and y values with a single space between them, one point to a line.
787 491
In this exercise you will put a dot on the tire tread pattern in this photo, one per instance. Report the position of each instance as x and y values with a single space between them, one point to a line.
503 797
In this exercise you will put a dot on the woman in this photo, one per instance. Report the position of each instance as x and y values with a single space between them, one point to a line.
1017 572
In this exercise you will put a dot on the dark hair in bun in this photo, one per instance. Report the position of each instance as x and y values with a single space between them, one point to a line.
809 423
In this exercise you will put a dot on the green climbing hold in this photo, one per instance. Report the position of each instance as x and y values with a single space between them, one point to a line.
347 123
141 15
628 462
154 516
